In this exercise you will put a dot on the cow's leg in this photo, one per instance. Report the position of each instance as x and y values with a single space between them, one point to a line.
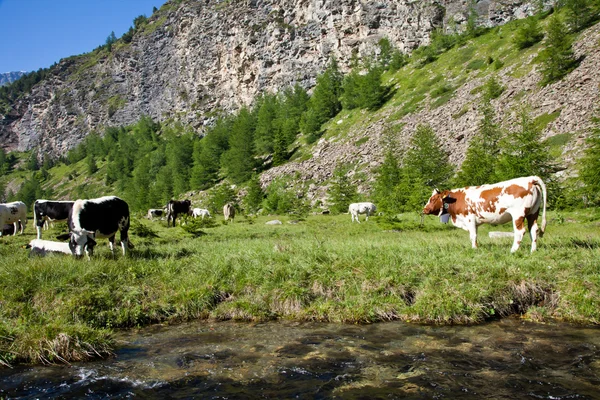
39 231
473 234
16 227
124 243
518 224
111 244
532 227
23 223
367 218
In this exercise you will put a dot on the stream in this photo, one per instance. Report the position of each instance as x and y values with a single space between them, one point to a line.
506 359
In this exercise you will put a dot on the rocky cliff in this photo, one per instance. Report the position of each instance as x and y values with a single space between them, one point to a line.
193 59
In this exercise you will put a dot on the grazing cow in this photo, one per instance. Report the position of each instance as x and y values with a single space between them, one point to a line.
155 212
40 247
361 208
229 212
98 218
176 207
200 212
517 199
44 211
13 213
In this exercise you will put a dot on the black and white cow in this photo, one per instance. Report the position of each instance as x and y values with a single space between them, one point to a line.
177 207
96 219
46 210
154 213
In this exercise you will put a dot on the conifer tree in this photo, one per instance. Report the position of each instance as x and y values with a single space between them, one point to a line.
478 167
529 33
325 101
590 165
388 176
266 128
523 153
342 191
426 159
254 196
208 152
558 55
239 162
579 14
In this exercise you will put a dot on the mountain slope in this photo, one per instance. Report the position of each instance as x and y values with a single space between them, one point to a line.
564 110
193 59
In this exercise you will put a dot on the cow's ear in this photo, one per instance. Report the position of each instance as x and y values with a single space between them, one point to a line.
64 236
448 199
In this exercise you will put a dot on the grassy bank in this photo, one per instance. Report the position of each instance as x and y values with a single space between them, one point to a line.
58 309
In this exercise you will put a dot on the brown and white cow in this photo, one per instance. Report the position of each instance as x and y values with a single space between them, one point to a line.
518 200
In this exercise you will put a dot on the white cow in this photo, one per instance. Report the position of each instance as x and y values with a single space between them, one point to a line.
42 247
13 213
200 212
361 208
229 212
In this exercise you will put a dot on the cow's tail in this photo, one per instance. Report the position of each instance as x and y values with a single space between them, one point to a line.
541 184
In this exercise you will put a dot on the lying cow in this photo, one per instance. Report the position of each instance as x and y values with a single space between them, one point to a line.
200 212
176 208
98 218
13 213
45 210
229 212
155 213
361 208
517 200
40 247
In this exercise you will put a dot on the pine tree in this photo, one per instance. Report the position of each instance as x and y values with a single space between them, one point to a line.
590 165
342 191
529 33
523 153
579 14
478 167
110 40
266 128
92 167
558 55
239 162
388 176
426 159
325 101
207 154
254 196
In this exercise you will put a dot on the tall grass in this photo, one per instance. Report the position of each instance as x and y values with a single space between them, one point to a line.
58 309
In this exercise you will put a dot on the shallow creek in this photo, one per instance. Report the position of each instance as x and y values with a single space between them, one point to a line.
507 359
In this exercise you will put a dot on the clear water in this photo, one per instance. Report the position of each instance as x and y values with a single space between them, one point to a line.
508 359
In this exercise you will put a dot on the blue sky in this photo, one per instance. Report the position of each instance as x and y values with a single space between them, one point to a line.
37 33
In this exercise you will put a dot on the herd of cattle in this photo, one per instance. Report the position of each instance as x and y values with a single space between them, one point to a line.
517 200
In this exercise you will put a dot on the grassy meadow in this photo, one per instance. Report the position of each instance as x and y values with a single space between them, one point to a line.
323 268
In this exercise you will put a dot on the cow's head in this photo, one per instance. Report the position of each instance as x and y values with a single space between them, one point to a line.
80 241
438 202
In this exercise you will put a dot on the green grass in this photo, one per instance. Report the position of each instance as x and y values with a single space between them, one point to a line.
58 309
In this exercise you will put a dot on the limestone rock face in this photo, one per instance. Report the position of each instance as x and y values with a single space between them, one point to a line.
197 58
